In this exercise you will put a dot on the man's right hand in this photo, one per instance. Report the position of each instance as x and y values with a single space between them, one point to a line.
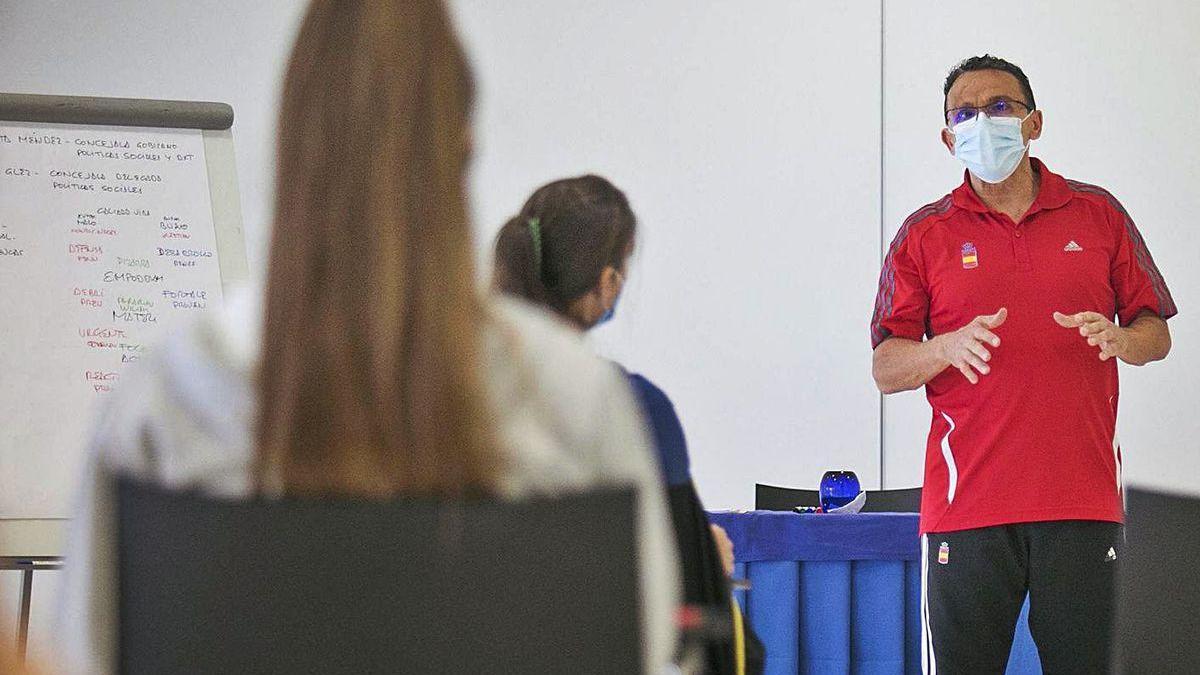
967 347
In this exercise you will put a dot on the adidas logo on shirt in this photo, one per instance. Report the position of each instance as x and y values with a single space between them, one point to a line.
1072 247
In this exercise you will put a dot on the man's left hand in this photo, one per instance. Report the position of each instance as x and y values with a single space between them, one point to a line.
1099 331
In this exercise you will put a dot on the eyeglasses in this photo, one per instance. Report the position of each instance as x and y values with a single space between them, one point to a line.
1001 107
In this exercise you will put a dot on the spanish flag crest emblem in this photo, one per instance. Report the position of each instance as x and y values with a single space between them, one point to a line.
970 256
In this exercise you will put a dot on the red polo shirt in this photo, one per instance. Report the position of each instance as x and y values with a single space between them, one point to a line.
1036 439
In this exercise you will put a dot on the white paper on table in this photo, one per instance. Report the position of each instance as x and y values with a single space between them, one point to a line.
854 506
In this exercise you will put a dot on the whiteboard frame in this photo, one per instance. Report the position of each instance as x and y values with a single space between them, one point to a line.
46 537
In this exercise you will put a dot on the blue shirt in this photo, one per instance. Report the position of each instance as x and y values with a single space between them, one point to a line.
665 430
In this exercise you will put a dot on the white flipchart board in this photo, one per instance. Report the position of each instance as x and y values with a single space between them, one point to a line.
118 219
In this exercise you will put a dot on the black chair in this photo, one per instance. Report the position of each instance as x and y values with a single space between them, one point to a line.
902 500
340 586
775 498
1158 592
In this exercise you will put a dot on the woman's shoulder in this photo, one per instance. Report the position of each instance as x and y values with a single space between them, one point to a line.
561 409
665 427
545 345
225 339
183 414
649 392
203 358
516 314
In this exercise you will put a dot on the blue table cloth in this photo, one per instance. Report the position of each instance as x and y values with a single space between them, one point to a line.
839 593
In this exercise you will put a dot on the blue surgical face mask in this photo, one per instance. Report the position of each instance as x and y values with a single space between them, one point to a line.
990 147
608 316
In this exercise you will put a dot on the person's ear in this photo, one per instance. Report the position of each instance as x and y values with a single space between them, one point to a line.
1035 125
611 281
948 140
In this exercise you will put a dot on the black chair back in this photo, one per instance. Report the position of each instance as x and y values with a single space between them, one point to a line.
1158 593
775 498
903 500
340 586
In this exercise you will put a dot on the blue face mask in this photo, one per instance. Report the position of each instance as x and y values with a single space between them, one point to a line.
608 316
990 147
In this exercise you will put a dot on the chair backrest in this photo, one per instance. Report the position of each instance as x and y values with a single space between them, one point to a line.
776 498
340 586
1158 593
903 500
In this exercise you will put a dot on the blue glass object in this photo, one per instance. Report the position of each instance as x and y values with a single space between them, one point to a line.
838 488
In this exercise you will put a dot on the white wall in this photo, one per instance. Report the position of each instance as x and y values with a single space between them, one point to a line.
1117 84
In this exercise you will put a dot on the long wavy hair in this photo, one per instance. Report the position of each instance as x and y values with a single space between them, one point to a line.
370 381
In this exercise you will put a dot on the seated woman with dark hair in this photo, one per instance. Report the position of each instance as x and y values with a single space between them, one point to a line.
567 250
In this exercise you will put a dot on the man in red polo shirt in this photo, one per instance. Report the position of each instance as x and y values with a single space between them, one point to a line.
1010 300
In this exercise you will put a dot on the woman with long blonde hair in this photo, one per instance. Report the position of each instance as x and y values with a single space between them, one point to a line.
369 365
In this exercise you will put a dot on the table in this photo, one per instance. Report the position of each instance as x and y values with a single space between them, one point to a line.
839 593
